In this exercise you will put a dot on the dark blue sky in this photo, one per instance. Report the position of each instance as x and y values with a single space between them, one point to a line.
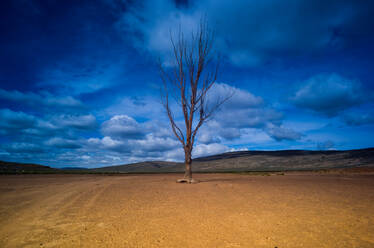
79 84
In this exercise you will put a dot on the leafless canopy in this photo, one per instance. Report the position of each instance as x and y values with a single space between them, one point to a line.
187 82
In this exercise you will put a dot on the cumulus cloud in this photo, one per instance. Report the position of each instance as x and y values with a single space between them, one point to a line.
209 149
154 144
153 139
147 147
240 99
242 112
136 141
124 135
128 140
123 126
329 94
207 137
108 143
249 32
113 144
243 109
123 139
217 132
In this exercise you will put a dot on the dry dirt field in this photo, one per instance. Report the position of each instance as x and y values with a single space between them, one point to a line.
224 210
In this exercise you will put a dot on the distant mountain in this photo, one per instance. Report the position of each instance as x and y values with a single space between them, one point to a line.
285 160
258 161
12 167
150 166
73 168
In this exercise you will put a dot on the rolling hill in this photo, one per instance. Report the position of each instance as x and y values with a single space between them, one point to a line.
258 161
14 168
284 160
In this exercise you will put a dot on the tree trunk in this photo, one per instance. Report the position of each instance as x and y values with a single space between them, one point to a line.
188 170
188 163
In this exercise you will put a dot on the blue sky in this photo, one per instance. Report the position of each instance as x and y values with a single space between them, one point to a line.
79 82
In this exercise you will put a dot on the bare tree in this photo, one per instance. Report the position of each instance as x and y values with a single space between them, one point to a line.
188 83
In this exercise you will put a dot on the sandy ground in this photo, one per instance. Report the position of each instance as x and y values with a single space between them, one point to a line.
224 210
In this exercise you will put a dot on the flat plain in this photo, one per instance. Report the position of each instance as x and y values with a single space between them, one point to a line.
223 210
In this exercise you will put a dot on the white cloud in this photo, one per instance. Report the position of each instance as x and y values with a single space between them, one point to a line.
85 157
125 140
154 144
111 143
216 132
242 112
124 127
107 144
240 99
201 150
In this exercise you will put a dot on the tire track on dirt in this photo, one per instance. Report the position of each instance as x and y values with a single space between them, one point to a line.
53 211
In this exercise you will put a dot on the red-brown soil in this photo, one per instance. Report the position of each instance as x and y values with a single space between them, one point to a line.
223 210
